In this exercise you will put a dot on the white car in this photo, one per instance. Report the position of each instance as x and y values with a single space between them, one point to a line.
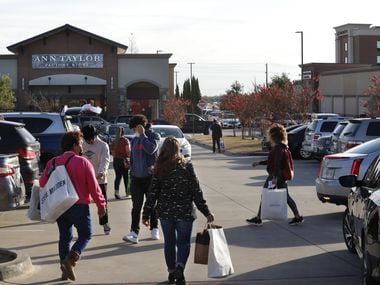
354 161
170 130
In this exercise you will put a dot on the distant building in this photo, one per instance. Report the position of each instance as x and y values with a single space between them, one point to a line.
342 84
73 66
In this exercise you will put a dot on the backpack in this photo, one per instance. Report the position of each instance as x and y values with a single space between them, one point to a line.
288 169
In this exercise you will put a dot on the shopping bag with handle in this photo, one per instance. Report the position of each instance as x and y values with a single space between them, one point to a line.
274 204
34 212
58 195
202 242
219 259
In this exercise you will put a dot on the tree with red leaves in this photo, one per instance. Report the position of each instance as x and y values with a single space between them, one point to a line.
373 102
175 110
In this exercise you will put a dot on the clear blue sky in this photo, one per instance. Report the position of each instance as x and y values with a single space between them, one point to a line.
227 40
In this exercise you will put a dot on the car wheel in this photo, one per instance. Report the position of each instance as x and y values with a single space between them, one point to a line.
366 266
348 232
305 154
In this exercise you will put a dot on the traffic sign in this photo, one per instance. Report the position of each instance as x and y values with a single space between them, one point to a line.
201 104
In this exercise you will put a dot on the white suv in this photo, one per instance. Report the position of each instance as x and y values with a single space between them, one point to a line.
316 129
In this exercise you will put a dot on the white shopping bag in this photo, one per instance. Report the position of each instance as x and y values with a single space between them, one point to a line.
274 204
219 259
58 195
34 212
222 146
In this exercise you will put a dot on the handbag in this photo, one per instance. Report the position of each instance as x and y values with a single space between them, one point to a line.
202 242
219 259
58 195
34 212
222 146
274 204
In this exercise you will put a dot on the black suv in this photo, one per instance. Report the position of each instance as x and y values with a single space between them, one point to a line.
196 124
14 138
361 228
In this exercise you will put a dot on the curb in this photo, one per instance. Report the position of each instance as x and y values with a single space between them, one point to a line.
19 264
256 153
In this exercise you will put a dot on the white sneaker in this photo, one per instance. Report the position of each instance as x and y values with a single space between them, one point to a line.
107 229
131 237
155 234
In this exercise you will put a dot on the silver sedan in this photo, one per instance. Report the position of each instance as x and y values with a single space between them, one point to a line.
353 161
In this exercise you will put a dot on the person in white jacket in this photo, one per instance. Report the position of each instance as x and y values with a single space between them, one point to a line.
97 152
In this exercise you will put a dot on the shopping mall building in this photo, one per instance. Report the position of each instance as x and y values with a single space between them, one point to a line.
70 66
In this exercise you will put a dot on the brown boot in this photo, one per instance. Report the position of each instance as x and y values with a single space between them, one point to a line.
69 263
64 276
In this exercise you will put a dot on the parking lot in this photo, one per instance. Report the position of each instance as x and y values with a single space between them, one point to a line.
312 253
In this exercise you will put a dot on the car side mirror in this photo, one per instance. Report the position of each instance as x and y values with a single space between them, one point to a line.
349 181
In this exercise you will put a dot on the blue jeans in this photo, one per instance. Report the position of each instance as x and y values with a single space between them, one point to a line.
79 217
177 237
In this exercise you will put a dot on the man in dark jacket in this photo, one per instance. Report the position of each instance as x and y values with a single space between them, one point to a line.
143 154
216 134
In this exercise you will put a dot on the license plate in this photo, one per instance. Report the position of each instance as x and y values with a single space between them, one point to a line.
329 173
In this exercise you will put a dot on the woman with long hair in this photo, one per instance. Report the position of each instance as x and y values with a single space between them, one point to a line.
175 187
121 152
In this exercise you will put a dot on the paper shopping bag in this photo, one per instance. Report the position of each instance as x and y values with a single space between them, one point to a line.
58 195
274 204
219 259
34 212
202 242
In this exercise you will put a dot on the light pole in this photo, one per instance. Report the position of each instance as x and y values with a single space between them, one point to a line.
191 91
301 32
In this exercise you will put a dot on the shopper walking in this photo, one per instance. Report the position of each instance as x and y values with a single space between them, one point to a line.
216 130
276 163
98 153
121 152
174 189
144 147
82 175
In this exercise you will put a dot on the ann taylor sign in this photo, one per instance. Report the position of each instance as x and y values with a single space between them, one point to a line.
86 60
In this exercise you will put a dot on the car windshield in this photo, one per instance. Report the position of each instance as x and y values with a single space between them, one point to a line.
112 131
165 132
312 126
366 148
350 129
296 130
339 128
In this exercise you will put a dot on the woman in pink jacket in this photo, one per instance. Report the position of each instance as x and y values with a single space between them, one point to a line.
82 175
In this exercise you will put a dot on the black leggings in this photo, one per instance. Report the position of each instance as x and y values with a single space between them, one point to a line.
120 171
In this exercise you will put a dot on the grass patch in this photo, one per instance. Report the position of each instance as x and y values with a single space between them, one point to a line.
235 145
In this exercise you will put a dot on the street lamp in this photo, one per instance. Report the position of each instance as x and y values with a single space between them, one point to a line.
191 90
301 32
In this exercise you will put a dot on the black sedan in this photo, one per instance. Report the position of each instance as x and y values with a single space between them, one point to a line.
361 220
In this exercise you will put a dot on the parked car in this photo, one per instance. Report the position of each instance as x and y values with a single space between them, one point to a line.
354 161
12 190
111 130
159 122
231 123
14 138
361 220
265 144
47 128
334 146
121 119
316 129
359 131
295 139
82 120
169 130
195 123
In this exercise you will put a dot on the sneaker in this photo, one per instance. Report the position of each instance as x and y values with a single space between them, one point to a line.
155 234
256 221
107 229
296 221
131 237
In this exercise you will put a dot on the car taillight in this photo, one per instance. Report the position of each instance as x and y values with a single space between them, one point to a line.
351 144
356 166
6 170
316 136
26 153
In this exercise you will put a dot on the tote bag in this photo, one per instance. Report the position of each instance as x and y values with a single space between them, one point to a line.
219 259
274 204
58 195
34 212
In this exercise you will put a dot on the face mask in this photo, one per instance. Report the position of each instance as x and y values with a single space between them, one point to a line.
137 135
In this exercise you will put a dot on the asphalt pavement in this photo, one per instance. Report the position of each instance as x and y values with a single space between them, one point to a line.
312 253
